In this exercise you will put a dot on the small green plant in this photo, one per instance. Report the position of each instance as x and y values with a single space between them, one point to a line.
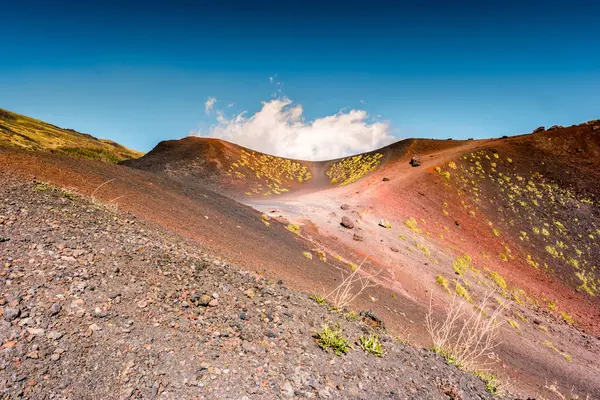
371 345
352 316
318 299
265 219
293 228
462 291
307 254
413 225
461 264
42 186
567 317
443 282
491 382
332 339
68 195
513 324
322 256
499 280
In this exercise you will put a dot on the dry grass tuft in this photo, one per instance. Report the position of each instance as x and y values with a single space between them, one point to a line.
351 287
464 337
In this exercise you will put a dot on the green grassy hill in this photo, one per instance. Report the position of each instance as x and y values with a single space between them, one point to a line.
28 133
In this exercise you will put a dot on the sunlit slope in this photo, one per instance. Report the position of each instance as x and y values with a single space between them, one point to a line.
247 174
24 132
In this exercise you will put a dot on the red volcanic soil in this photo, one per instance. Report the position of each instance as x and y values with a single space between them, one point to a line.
525 209
457 216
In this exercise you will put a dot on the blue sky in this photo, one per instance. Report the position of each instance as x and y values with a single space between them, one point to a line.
140 73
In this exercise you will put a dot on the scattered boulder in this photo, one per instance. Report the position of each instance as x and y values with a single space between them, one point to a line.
345 206
385 179
204 300
357 237
11 313
539 129
370 318
415 161
394 249
347 223
554 127
596 127
385 223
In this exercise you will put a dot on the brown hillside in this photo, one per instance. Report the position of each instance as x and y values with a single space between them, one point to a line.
516 219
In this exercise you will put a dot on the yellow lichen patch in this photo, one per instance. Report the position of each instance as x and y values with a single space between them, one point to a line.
277 173
498 280
351 169
461 264
293 228
265 219
322 256
513 323
462 291
443 282
412 224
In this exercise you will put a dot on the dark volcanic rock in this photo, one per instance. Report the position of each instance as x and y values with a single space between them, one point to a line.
347 223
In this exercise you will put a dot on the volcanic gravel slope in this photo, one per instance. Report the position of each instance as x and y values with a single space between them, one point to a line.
97 304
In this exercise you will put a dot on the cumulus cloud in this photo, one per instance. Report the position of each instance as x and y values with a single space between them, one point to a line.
279 128
209 105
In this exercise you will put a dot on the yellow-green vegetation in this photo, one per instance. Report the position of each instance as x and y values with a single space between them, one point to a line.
265 219
567 317
513 324
520 316
293 228
553 347
371 345
42 186
318 299
307 254
31 134
413 225
322 256
443 282
331 339
462 291
461 264
423 248
351 169
444 174
277 173
559 241
498 280
352 316
491 382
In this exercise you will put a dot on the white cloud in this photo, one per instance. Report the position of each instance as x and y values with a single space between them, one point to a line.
279 128
209 104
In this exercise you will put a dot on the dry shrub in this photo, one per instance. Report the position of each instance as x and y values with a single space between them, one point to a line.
464 337
351 287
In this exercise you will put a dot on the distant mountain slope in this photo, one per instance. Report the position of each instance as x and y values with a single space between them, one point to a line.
24 132
246 174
